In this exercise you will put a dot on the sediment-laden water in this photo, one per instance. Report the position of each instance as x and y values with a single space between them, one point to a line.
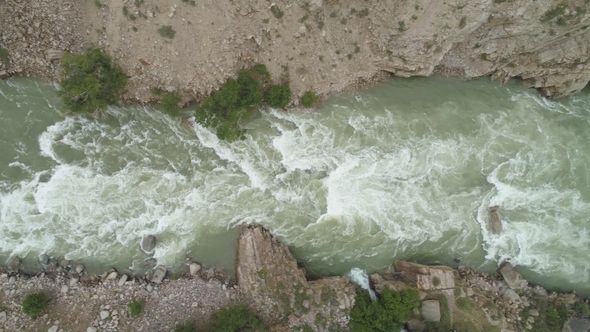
405 170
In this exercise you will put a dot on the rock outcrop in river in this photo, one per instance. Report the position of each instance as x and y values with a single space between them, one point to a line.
325 46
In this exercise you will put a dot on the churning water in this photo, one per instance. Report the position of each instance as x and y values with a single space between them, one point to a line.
405 170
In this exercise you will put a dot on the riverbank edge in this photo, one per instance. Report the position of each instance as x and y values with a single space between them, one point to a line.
272 283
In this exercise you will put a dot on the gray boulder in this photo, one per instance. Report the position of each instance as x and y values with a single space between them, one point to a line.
415 325
104 314
4 75
512 278
495 220
576 325
148 243
194 268
53 329
122 280
431 311
79 268
159 274
44 259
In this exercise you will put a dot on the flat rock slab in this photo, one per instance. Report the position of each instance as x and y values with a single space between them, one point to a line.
431 311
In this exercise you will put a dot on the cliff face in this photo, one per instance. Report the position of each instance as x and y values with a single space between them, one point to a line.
325 46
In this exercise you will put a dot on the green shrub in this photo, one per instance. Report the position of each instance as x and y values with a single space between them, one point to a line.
308 99
235 319
277 12
34 304
91 82
581 309
186 327
385 314
170 103
3 55
555 11
224 109
278 96
166 31
136 307
463 22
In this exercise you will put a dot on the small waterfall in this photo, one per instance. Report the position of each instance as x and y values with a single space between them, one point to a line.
360 277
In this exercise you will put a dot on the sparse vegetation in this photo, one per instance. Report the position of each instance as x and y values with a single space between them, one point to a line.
484 57
265 20
34 304
499 1
125 11
235 319
401 26
186 327
303 19
3 55
333 14
91 82
308 99
98 3
170 102
555 12
138 3
277 12
166 31
385 314
362 13
134 28
462 22
136 307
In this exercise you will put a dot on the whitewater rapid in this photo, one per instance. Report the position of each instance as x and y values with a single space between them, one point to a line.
405 170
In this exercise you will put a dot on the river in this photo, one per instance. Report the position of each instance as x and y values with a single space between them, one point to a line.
403 170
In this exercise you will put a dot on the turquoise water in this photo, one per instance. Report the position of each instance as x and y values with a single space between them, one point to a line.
404 170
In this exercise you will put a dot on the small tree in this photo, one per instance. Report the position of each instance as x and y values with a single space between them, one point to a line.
278 96
34 304
385 314
92 81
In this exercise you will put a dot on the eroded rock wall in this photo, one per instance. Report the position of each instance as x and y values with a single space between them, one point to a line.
325 46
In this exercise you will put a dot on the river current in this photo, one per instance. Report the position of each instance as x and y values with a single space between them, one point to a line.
403 170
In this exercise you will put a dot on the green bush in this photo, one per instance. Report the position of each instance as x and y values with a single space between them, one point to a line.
278 96
136 307
91 82
387 313
225 108
34 304
235 319
170 103
166 31
581 309
3 55
186 327
309 98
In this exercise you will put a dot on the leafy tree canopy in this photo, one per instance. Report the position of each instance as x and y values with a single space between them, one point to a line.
91 82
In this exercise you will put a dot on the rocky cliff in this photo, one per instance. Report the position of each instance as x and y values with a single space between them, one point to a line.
326 46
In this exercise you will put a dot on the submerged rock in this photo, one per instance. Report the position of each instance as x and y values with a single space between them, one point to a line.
495 220
148 243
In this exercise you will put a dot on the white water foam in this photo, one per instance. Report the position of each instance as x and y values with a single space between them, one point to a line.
360 277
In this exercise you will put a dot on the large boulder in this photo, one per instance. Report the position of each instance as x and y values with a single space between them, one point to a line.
431 311
424 277
512 278
576 325
148 243
159 274
495 220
